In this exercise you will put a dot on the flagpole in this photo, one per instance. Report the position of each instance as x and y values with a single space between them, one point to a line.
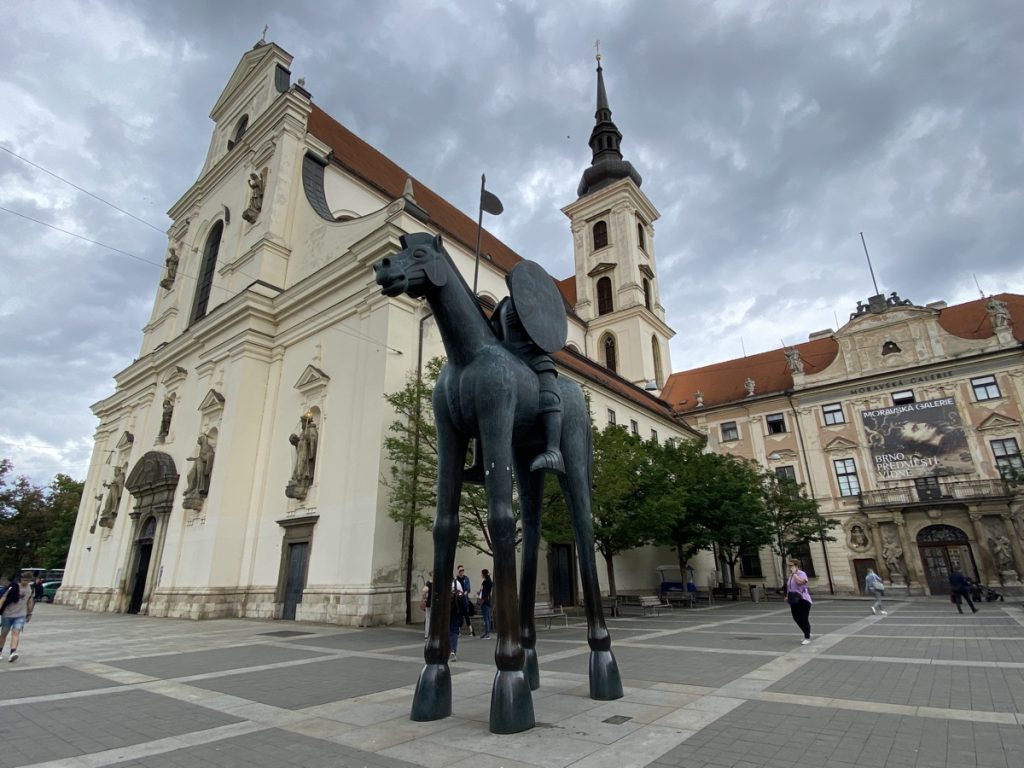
479 229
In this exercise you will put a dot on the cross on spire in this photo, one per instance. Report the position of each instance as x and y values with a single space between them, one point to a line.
597 50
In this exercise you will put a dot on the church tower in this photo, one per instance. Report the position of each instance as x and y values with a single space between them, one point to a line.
616 277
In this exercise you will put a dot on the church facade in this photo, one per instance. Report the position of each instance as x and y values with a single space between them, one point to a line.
238 465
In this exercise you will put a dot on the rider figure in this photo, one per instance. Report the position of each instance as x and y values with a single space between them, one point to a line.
510 330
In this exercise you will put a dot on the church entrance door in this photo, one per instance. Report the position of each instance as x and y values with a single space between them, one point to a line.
945 548
143 556
295 581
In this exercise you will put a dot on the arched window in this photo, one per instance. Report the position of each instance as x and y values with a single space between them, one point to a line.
240 127
604 295
647 293
600 234
609 353
640 238
207 267
656 356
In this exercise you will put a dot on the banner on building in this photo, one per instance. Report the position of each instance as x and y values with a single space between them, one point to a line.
918 440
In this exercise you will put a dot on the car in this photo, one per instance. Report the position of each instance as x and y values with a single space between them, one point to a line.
50 589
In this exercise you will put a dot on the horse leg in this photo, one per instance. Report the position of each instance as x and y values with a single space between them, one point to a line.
433 697
531 495
511 701
577 448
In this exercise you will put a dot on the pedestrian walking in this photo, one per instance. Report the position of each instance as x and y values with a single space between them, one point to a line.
960 589
874 585
465 610
799 599
455 619
16 612
486 587
427 594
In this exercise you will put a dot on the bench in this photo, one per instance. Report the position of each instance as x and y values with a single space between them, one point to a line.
652 605
611 606
548 612
684 599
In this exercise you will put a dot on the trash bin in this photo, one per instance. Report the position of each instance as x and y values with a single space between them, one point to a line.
755 593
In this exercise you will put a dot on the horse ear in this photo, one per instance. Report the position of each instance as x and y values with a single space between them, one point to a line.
435 270
438 243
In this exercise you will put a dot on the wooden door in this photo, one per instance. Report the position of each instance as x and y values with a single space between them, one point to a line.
295 581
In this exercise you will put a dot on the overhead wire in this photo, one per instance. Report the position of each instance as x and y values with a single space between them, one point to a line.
346 331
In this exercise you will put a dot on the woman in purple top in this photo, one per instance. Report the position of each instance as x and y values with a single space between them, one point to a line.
797 592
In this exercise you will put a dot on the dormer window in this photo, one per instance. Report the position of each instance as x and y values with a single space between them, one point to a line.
890 348
240 127
600 235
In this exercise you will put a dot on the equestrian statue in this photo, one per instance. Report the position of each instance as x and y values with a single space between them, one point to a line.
499 387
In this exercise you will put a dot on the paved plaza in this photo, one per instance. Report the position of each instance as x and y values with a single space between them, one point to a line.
726 685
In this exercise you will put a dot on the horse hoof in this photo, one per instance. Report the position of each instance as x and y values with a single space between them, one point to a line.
433 697
605 683
531 668
511 703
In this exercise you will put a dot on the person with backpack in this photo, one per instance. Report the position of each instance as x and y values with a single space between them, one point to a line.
16 611
874 585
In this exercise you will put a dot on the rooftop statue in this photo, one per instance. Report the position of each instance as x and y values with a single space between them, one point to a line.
490 389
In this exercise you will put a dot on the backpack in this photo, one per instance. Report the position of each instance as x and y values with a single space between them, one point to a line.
875 582
11 596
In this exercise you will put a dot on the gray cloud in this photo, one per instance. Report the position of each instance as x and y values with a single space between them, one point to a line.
768 135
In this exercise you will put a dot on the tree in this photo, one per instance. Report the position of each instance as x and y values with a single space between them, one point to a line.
739 519
624 479
706 499
63 497
411 448
29 517
793 516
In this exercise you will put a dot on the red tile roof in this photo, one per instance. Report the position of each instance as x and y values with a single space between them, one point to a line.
724 382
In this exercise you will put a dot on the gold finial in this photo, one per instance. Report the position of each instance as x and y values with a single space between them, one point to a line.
597 49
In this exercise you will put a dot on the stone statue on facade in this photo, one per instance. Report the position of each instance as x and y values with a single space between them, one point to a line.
257 186
305 444
796 363
1002 552
199 474
999 312
699 397
892 555
113 498
750 385
165 418
489 392
170 269
858 539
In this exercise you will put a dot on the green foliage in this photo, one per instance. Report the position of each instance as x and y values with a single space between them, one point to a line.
35 523
411 448
707 498
793 516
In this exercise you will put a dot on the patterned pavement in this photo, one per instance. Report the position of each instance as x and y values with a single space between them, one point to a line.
722 686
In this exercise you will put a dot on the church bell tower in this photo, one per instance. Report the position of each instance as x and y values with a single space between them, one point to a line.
616 275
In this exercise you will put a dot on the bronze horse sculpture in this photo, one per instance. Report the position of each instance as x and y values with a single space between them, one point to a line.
488 392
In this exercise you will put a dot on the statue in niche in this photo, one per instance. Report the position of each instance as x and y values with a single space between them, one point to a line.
999 312
113 499
750 385
199 474
699 397
257 186
796 363
165 418
858 539
170 269
305 444
1002 552
892 554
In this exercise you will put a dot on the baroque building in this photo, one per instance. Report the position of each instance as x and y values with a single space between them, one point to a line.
903 425
238 465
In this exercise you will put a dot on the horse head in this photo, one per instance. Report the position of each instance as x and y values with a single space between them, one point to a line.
420 266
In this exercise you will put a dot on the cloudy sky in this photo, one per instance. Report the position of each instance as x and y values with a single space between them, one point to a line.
768 135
